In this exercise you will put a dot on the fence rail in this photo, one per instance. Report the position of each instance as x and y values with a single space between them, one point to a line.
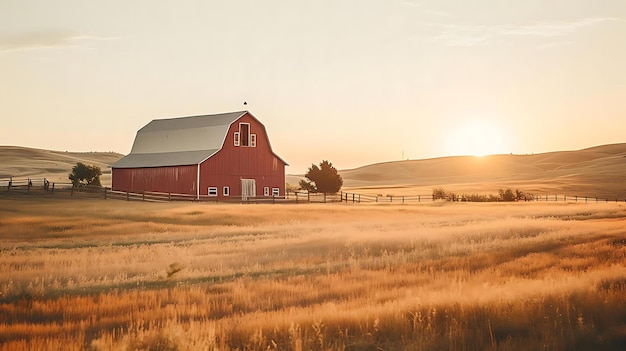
45 187
367 198
290 197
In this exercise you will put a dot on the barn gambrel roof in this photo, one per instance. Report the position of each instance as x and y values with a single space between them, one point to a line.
179 141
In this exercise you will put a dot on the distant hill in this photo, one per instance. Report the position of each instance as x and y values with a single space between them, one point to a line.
23 162
596 171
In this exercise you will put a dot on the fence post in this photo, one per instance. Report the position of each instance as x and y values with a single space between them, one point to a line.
169 197
53 188
127 196
72 192
403 199
324 197
308 197
359 198
10 183
418 198
352 198
105 193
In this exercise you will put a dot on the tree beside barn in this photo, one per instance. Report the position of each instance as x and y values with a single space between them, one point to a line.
83 174
323 179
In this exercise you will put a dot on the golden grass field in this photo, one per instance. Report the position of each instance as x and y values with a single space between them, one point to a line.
92 274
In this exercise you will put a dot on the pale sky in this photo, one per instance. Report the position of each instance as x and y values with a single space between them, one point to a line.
353 82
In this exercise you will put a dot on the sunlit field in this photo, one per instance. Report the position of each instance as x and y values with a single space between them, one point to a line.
112 275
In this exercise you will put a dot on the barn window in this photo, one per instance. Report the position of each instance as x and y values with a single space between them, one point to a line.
266 191
236 138
212 191
226 191
275 192
252 140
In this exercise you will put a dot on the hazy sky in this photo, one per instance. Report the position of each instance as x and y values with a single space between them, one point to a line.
354 82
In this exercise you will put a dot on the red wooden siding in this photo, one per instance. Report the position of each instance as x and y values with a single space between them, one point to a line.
178 179
233 163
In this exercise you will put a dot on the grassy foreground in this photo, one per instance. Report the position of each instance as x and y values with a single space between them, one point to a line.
112 275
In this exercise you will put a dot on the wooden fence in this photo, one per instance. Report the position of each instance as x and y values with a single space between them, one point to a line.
44 187
290 197
366 198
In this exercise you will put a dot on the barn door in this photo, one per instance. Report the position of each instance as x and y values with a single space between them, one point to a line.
248 189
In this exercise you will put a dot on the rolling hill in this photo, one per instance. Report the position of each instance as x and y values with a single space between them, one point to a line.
597 171
23 162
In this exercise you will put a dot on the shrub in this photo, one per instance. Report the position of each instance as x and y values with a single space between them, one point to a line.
83 174
439 194
507 195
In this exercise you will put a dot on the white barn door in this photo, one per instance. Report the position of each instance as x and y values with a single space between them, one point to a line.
248 188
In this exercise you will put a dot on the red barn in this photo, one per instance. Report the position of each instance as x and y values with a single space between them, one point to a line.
222 155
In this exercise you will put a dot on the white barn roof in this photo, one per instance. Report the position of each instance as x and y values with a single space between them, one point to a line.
179 141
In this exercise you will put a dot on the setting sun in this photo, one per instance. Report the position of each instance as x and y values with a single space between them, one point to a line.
477 138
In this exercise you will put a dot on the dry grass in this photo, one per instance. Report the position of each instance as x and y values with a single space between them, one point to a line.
111 275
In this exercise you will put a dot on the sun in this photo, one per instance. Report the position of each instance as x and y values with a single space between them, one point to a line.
477 138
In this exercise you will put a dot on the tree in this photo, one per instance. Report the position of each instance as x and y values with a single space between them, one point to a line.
442 194
507 195
439 193
83 174
322 179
